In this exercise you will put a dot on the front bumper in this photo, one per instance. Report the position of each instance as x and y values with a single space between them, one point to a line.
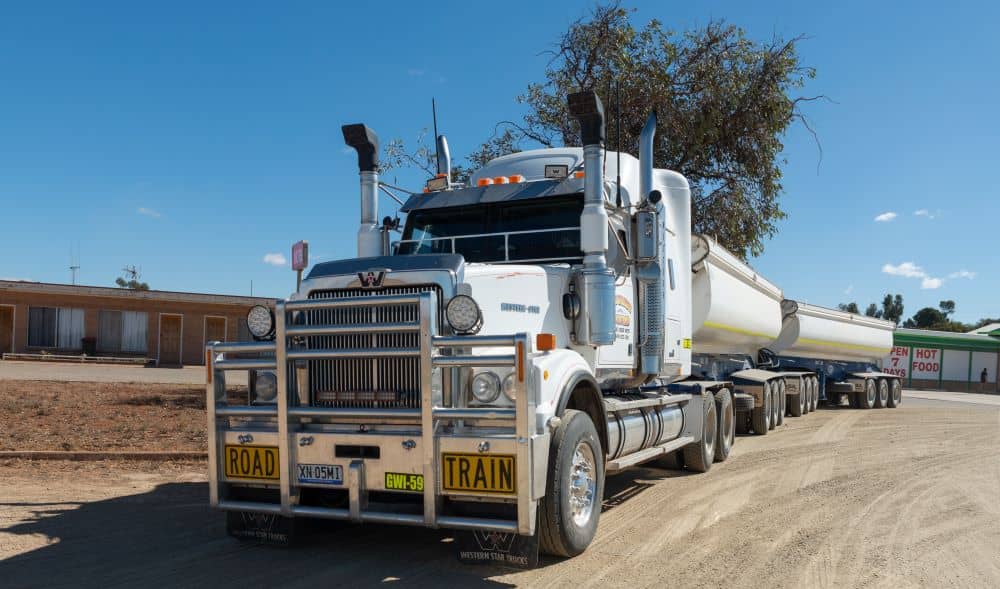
369 444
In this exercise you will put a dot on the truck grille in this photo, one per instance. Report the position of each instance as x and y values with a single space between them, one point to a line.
366 382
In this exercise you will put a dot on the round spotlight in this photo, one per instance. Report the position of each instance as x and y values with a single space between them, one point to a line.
486 387
265 388
463 315
260 322
510 387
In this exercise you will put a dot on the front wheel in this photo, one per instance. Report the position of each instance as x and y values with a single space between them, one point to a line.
571 508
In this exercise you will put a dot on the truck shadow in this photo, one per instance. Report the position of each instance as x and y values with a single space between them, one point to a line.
170 536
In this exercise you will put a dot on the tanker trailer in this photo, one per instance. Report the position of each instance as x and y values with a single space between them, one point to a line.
837 355
736 313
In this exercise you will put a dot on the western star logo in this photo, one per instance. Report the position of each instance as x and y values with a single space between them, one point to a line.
494 541
371 279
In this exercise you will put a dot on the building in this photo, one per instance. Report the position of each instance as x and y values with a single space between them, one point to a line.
167 328
991 329
945 360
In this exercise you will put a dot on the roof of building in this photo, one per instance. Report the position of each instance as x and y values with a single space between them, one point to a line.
945 339
115 292
991 329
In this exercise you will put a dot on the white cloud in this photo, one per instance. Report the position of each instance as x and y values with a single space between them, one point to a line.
275 259
925 213
911 270
149 212
962 274
886 217
907 269
849 289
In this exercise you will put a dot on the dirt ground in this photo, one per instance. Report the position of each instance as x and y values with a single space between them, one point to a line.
839 498
50 415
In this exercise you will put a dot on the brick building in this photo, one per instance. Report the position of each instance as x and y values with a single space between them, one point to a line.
168 328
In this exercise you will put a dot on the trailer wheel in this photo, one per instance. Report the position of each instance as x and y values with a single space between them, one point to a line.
727 424
569 512
797 402
698 456
882 400
866 400
813 393
775 404
895 393
760 417
782 401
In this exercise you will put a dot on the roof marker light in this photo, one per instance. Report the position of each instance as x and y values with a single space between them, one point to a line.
501 180
484 181
516 178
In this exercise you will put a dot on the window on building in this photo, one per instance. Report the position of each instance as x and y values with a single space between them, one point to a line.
122 331
51 327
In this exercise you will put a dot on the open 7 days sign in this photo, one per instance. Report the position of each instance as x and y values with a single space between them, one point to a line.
921 363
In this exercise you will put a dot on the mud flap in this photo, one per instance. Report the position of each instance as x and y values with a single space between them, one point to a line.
482 547
263 528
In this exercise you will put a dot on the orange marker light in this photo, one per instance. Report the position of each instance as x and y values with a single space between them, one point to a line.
516 178
501 180
484 182
578 174
440 175
545 342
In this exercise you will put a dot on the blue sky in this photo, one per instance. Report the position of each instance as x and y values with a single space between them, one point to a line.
193 139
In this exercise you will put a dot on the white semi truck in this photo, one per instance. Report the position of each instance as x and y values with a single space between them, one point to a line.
550 323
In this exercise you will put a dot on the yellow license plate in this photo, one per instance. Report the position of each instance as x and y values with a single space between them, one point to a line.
251 462
479 473
399 481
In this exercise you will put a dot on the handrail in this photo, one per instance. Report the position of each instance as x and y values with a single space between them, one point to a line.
505 234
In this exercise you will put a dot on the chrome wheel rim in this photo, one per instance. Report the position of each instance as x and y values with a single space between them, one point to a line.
870 392
767 406
883 392
897 392
582 484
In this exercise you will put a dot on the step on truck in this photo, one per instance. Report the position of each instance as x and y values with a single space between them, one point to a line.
485 364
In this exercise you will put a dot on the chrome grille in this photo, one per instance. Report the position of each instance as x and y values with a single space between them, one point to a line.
369 382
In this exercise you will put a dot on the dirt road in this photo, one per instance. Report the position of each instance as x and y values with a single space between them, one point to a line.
70 372
839 498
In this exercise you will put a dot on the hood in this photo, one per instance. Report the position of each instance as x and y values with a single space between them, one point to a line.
517 298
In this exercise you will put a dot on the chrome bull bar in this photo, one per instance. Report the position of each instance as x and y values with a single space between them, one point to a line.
530 486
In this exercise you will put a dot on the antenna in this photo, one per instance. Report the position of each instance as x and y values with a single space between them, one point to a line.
618 140
434 113
74 265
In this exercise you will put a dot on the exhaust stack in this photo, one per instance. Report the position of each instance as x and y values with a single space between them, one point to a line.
443 158
650 270
595 282
365 142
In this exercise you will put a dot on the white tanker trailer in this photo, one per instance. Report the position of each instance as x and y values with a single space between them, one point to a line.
523 336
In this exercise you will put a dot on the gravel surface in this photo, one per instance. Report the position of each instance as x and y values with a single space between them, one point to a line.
839 498
67 371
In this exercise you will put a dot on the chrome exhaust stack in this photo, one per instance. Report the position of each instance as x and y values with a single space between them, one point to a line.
443 158
651 258
365 142
595 325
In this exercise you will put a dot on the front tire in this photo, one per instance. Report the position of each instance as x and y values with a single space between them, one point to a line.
569 512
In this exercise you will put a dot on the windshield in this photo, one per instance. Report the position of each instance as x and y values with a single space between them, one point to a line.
540 230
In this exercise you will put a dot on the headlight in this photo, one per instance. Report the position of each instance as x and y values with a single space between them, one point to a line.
463 315
510 387
265 387
260 321
486 387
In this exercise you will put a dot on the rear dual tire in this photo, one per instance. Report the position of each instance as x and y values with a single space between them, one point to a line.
760 417
895 393
698 457
726 432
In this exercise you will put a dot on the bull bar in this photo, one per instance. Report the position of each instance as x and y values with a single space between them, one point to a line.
530 441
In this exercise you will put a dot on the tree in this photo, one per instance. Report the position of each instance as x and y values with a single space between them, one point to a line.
927 318
892 308
872 311
133 283
723 102
947 307
849 307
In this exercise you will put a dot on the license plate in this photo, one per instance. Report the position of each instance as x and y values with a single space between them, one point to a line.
479 473
398 481
330 474
252 462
